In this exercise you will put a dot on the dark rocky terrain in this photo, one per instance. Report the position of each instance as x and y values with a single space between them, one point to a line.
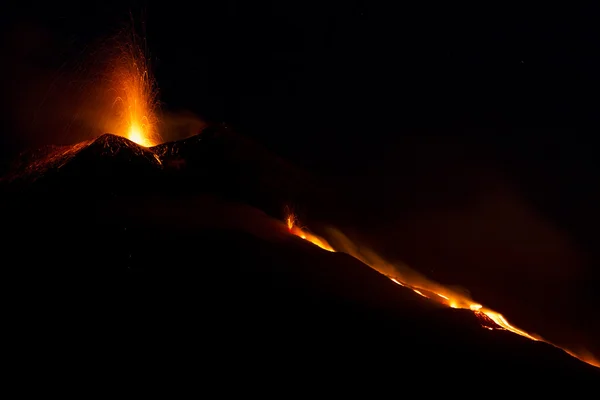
178 254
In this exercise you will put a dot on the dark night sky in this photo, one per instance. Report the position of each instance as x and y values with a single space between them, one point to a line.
290 74
400 100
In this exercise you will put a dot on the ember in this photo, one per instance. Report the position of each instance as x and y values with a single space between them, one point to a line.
136 95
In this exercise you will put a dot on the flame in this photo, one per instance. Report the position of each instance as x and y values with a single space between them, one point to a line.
433 291
136 95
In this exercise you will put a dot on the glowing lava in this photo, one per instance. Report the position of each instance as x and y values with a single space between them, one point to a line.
454 300
433 291
136 134
294 229
135 103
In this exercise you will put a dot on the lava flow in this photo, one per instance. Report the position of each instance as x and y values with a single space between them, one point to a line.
422 286
292 226
135 103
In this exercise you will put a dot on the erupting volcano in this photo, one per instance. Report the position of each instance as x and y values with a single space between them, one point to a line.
216 252
249 201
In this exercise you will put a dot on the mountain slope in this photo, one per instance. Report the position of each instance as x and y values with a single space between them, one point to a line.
151 257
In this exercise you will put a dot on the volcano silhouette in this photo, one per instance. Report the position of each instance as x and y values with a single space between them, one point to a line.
217 160
109 161
180 246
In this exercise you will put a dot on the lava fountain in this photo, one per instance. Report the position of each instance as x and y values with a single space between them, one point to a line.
420 285
136 95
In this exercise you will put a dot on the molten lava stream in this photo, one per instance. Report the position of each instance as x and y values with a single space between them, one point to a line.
490 319
295 230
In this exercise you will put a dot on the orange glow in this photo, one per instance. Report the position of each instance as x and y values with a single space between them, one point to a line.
135 102
433 291
455 300
458 301
291 222
314 239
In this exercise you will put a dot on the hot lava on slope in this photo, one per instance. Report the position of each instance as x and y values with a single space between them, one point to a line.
422 286
291 222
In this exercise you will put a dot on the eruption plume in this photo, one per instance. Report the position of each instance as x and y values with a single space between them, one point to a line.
107 87
419 284
135 103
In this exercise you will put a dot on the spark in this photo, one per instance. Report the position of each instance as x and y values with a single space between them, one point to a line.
135 103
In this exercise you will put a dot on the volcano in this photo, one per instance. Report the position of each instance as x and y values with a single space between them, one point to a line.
180 252
92 165
217 161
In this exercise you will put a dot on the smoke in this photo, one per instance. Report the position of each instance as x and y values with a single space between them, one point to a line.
398 270
177 125
457 297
